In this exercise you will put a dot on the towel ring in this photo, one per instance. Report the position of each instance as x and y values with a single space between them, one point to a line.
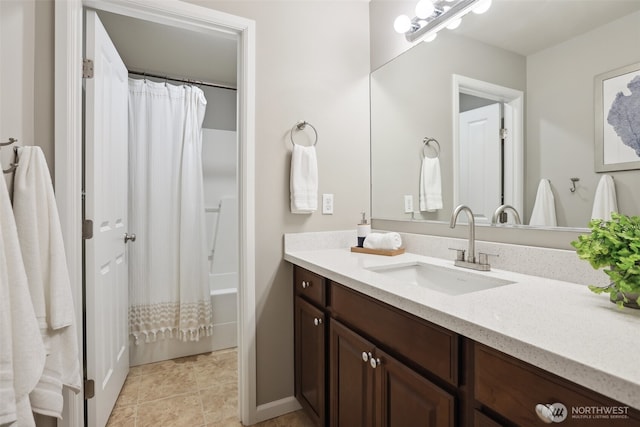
426 141
300 126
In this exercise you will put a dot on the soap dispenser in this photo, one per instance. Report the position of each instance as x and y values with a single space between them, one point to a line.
364 228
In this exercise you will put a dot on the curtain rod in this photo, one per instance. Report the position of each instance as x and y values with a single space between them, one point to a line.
175 79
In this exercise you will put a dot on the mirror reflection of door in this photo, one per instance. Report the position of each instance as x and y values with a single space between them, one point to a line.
480 156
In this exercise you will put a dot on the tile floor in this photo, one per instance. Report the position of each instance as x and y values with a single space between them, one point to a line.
193 391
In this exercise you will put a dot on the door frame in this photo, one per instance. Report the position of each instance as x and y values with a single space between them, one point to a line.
514 156
69 33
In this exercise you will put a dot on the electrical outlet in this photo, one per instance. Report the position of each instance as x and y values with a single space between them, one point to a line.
408 203
327 204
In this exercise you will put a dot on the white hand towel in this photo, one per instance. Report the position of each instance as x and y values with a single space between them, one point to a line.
430 185
544 208
26 346
390 241
605 200
45 262
304 180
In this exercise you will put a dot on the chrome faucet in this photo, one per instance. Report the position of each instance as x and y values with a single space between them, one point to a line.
470 260
501 209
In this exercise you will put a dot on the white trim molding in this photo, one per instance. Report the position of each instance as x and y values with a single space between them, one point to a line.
68 158
514 155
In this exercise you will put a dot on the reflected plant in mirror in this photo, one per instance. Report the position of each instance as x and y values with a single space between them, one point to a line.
429 89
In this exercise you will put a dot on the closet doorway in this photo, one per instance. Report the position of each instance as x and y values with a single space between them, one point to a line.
69 30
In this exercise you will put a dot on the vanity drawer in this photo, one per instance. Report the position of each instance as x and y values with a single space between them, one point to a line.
513 388
309 285
428 346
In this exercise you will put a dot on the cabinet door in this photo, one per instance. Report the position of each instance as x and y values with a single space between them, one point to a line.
309 325
351 378
406 399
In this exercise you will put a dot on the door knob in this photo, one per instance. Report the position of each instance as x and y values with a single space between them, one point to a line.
317 321
128 237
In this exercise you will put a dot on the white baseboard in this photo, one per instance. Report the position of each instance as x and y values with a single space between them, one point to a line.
276 408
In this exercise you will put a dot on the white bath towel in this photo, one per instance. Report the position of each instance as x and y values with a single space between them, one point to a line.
605 200
304 180
390 241
430 185
45 263
544 208
26 347
8 412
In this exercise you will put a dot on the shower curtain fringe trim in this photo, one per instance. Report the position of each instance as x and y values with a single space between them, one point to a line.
186 321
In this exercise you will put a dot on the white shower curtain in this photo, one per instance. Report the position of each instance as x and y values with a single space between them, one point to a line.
168 281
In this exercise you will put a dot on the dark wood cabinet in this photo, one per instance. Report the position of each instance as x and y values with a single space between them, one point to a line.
310 337
310 377
368 387
406 399
362 363
351 378
513 389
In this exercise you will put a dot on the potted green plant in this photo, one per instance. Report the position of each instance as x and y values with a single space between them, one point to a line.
615 246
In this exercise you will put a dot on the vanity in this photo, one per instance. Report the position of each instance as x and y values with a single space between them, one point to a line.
375 350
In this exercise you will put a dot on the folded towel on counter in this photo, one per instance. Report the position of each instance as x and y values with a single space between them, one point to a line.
389 241
430 185
304 180
605 200
544 208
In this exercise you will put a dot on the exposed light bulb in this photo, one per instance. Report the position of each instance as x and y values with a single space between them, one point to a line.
402 24
482 7
454 24
431 37
425 9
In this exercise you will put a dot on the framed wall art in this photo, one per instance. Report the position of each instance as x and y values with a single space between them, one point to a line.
617 119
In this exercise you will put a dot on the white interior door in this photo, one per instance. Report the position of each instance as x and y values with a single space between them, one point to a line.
480 167
106 289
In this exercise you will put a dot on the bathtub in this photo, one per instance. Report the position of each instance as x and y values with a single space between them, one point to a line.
224 305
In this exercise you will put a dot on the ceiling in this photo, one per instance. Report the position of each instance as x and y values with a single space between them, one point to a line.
528 26
172 51
521 26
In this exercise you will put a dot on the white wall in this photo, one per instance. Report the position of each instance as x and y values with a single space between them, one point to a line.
560 117
312 64
26 75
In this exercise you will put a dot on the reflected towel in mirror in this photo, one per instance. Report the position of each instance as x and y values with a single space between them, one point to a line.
605 200
544 208
430 185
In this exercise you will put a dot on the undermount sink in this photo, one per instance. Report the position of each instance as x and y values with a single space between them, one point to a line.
442 279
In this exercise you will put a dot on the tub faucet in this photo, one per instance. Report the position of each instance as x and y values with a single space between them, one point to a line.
497 214
470 260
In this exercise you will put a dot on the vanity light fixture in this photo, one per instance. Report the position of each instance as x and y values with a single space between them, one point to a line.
434 15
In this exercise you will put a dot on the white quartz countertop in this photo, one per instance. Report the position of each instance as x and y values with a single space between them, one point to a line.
558 326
